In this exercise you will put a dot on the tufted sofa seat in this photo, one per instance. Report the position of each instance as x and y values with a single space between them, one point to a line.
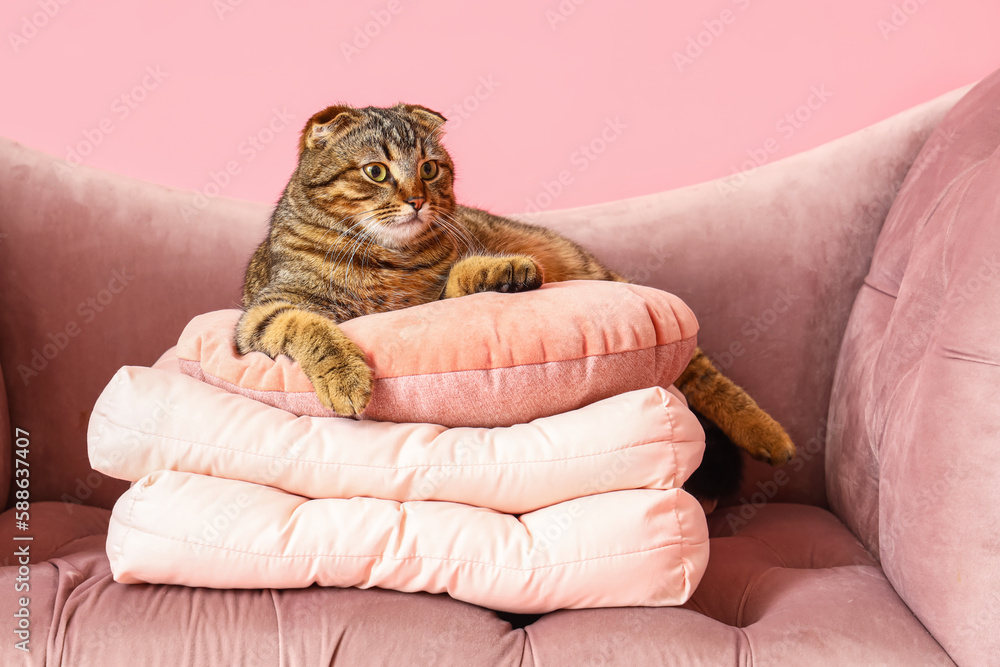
851 289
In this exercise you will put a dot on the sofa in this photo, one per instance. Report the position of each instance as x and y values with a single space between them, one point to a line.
852 289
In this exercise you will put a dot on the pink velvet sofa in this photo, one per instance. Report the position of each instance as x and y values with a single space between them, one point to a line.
853 289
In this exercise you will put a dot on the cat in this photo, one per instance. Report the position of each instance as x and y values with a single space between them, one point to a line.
369 223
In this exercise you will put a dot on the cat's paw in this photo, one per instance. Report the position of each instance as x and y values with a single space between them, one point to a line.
343 382
518 273
769 442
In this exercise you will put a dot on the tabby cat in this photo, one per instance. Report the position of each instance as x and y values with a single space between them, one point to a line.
369 223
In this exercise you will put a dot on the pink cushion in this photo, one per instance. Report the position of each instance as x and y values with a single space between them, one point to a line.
483 360
624 548
150 419
572 510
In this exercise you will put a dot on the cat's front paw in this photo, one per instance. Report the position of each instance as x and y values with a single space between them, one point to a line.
343 382
518 273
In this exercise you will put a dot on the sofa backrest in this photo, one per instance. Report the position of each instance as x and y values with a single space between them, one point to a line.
99 271
912 464
770 259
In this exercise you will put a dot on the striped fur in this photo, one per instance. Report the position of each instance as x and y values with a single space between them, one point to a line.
347 239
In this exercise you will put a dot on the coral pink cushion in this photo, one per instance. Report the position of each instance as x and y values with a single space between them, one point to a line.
483 360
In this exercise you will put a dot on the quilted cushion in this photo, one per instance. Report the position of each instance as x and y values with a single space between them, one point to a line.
595 551
483 360
564 512
150 419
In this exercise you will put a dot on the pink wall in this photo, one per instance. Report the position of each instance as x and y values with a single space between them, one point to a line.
177 92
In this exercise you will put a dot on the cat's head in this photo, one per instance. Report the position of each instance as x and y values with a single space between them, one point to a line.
378 170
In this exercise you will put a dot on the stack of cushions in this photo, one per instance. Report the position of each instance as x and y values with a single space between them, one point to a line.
520 452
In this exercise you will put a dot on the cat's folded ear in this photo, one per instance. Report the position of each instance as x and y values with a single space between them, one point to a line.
327 126
428 119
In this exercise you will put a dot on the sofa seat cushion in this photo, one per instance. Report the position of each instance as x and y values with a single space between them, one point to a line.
786 584
80 616
53 528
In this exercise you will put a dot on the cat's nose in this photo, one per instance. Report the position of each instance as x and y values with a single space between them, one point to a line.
416 202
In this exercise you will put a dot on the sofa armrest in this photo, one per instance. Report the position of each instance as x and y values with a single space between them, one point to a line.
99 271
770 261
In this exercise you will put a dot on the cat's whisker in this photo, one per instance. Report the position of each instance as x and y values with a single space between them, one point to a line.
365 255
450 229
456 225
460 244
345 248
345 255
367 237
458 233
363 239
333 246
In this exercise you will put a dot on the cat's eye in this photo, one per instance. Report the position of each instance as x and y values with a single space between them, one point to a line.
376 171
428 170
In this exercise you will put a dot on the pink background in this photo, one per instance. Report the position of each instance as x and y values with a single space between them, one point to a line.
211 85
